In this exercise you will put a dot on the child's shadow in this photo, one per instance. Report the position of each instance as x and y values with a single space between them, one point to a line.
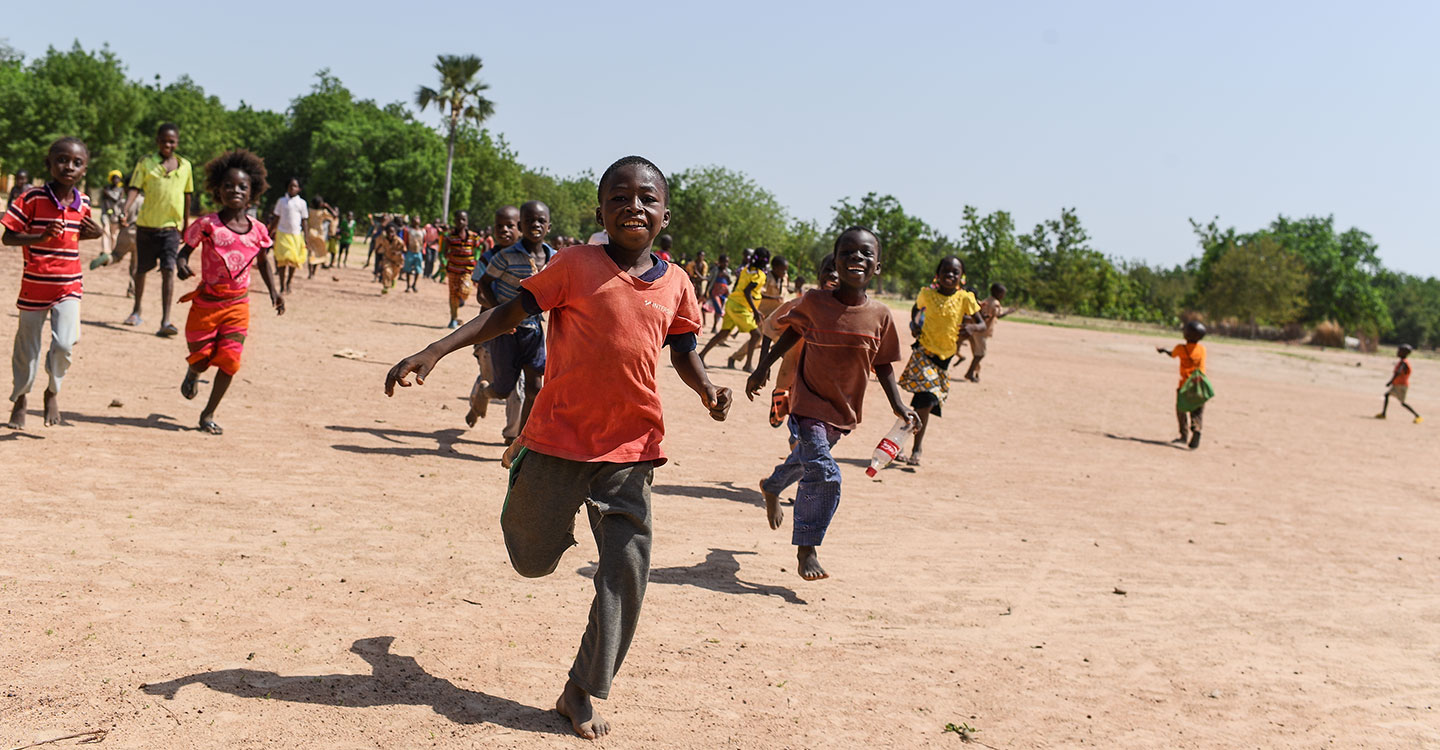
393 681
721 490
445 442
1160 443
719 572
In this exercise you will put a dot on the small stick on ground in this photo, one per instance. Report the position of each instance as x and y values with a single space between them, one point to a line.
90 738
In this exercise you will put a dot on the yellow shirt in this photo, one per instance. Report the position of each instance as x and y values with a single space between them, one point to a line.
747 276
164 193
943 316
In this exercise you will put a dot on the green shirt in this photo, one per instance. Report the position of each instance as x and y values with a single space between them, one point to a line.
164 193
347 230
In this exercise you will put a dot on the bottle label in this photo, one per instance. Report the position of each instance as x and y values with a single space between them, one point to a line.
889 447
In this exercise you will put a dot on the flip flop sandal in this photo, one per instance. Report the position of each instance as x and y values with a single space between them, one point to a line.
210 428
169 331
779 407
133 320
190 385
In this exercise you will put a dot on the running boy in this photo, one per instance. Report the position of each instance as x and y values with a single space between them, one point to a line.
414 254
459 248
229 242
938 320
992 309
619 299
390 255
48 222
1399 384
741 310
847 335
1192 360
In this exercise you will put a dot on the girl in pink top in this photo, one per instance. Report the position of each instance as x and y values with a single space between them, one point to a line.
229 241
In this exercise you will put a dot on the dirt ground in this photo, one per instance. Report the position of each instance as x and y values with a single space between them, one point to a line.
330 572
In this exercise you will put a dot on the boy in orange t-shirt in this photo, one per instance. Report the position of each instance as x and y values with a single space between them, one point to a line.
1192 358
593 435
1399 384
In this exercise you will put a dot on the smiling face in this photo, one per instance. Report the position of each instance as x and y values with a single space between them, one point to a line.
947 276
857 259
166 142
67 162
829 277
234 192
534 221
632 207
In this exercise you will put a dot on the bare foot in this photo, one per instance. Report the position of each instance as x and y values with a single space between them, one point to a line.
773 511
17 415
574 704
479 402
809 565
52 411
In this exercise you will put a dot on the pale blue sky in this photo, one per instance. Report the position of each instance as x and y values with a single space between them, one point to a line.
1139 114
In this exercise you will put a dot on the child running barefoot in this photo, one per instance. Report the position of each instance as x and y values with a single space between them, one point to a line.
390 254
742 312
459 249
229 242
593 437
414 255
939 319
847 335
1399 384
49 221
992 309
1192 361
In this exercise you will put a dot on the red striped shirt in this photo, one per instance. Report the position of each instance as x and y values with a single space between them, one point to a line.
52 268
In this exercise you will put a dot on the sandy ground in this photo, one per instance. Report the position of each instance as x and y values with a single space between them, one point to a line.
330 572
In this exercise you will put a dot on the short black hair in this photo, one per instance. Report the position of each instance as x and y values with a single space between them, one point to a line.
780 261
59 143
998 289
240 159
851 230
631 161
167 127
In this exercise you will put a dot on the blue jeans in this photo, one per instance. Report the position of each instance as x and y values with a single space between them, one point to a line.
810 464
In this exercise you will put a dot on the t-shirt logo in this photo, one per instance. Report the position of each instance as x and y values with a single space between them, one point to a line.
664 309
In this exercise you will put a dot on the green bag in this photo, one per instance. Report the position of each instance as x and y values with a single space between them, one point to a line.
1194 393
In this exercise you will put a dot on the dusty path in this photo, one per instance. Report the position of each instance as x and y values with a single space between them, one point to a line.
330 572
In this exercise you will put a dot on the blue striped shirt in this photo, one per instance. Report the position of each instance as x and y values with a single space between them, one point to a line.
511 266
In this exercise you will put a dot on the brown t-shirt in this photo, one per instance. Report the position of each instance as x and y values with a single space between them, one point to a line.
843 343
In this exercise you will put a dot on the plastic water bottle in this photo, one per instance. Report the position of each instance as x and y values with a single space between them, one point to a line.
890 445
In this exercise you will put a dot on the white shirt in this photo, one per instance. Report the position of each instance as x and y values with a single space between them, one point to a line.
292 213
599 238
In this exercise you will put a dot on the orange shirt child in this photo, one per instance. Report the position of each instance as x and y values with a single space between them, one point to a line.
1192 358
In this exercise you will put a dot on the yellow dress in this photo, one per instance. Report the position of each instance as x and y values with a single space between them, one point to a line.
738 314
315 234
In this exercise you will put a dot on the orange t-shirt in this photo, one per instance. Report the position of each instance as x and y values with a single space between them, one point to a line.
1192 358
1402 373
600 401
843 343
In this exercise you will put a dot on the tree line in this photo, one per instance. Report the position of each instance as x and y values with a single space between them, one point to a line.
366 156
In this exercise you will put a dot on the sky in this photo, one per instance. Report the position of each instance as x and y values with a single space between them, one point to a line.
1139 115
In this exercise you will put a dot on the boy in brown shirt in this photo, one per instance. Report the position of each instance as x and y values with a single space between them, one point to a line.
846 335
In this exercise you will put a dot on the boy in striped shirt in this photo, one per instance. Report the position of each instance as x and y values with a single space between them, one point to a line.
48 222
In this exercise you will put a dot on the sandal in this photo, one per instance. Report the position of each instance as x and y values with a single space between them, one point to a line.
209 427
168 331
190 385
779 407
134 320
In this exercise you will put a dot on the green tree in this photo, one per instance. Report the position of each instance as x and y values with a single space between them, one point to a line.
993 254
1414 307
459 98
1257 281
720 210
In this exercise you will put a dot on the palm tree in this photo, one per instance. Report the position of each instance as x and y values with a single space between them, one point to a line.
460 94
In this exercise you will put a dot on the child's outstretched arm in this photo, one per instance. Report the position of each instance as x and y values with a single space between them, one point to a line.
757 379
886 374
1165 351
266 262
692 373
485 326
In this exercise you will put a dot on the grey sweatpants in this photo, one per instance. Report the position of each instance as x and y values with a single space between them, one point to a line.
25 358
539 525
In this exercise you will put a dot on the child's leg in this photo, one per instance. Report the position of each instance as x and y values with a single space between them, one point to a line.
64 332
750 347
924 414
1184 420
718 339
1416 414
1197 418
818 495
515 409
25 362
217 392
1385 407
